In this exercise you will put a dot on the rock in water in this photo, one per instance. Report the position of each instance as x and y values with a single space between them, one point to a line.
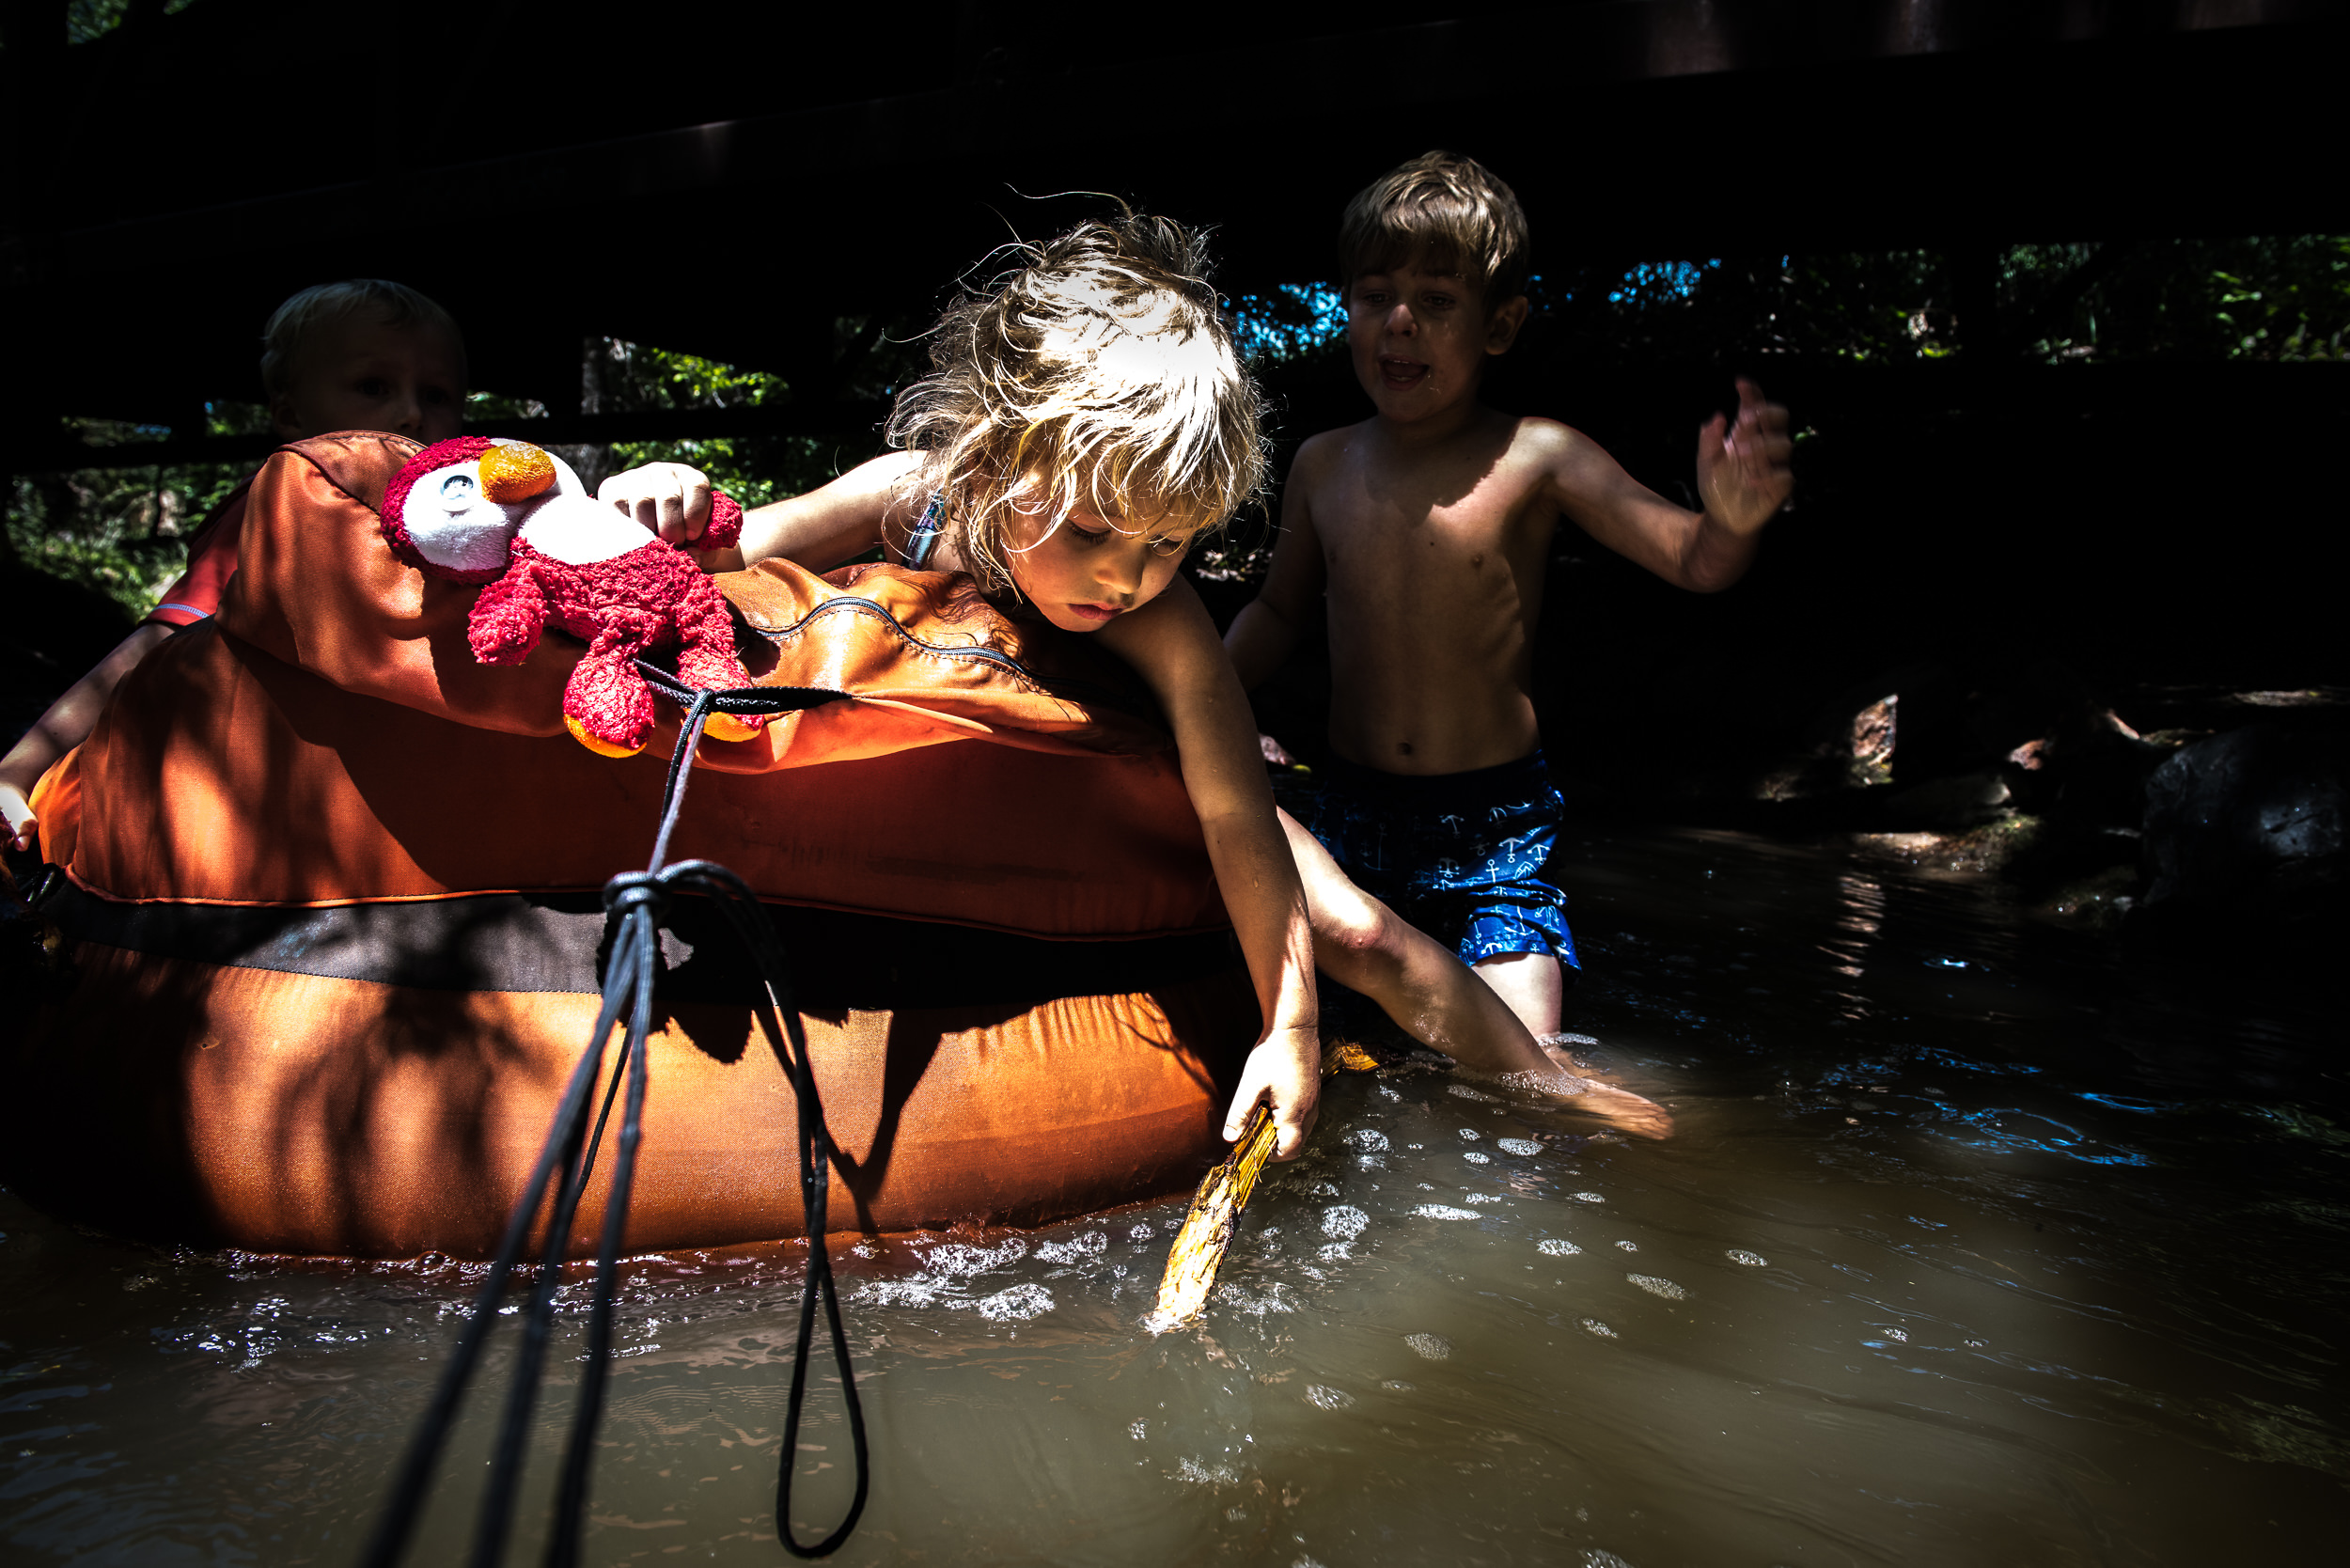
1948 804
2246 828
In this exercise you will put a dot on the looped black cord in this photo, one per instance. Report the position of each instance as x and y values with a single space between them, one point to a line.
637 890
637 904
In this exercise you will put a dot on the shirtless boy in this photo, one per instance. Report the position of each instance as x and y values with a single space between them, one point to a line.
1426 528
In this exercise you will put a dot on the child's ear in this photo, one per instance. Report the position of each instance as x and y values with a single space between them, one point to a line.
283 414
1501 327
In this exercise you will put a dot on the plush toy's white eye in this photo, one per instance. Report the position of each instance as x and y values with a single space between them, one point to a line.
452 524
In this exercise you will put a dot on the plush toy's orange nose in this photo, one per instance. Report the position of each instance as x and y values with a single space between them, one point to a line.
515 472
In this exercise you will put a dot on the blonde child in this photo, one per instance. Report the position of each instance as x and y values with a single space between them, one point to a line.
364 354
1085 422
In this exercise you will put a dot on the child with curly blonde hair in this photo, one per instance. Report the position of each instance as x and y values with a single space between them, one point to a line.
1085 421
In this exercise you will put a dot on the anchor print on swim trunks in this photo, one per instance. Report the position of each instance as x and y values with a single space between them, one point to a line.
1460 855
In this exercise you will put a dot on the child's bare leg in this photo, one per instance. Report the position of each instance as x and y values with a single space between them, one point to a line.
1530 984
1434 997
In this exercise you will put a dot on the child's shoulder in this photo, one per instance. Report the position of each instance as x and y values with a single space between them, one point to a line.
1534 436
1548 454
1320 451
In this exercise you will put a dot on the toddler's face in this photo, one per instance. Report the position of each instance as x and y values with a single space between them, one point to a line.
1088 570
364 375
1419 338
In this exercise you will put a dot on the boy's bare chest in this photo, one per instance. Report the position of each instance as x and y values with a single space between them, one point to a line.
1376 527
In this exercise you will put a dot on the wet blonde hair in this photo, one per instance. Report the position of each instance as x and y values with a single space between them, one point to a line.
1102 363
1446 208
293 323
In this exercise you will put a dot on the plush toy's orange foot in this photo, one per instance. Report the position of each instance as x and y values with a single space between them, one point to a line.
600 748
726 726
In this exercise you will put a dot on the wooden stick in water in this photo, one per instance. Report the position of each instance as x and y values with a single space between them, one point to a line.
1198 1249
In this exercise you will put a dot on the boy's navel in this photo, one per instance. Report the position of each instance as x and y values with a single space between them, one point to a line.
1477 561
1403 746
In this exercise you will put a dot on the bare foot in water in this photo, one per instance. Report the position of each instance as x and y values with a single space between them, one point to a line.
1620 1108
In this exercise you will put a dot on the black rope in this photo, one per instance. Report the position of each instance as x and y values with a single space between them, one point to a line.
637 905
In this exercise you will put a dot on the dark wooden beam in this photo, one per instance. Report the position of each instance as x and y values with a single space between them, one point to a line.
856 421
1650 131
1236 127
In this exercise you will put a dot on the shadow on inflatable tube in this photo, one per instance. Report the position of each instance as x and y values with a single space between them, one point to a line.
327 888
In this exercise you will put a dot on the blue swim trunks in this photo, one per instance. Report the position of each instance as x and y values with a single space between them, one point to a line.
1459 855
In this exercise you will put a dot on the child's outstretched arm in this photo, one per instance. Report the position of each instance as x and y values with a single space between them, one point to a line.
817 530
1172 644
1270 626
65 726
1742 478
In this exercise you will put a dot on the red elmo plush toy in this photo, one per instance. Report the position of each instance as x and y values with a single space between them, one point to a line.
515 518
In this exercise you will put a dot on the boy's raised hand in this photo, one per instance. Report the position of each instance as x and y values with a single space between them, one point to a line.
668 498
1742 472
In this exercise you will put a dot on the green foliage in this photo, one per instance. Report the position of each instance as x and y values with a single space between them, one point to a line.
497 405
755 470
618 376
2259 298
121 531
88 20
635 376
2274 298
85 19
1297 320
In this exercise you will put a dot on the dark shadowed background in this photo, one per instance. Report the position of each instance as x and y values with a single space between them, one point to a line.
2056 292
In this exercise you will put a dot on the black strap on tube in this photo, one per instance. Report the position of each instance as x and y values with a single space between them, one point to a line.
637 905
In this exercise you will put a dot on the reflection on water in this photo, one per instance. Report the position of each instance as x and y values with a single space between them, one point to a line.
1978 1243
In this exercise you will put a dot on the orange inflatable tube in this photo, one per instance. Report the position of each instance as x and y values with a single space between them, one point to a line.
329 896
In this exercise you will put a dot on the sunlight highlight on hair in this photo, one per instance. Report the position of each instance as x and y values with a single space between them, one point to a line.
1100 373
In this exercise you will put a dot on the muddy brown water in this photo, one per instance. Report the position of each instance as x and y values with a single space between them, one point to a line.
1980 1242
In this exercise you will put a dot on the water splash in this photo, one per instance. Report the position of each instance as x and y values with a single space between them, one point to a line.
1016 1305
1090 1244
1201 1472
959 1260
